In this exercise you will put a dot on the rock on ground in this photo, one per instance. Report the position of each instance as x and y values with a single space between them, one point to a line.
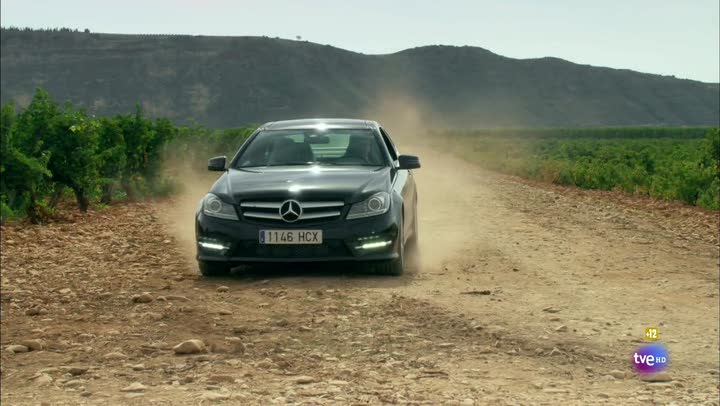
142 298
134 387
77 370
302 379
33 345
115 356
193 346
658 377
617 374
15 348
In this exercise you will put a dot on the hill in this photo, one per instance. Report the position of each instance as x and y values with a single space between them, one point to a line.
229 81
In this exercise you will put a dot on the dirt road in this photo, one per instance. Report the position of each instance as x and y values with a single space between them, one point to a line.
527 294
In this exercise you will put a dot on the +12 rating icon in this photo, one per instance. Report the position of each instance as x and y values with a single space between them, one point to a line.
651 333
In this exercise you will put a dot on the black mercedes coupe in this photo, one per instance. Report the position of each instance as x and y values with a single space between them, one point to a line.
313 190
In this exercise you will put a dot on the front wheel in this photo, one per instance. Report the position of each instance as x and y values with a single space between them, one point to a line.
394 267
213 269
412 250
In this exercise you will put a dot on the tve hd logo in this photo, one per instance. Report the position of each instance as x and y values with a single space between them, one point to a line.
650 358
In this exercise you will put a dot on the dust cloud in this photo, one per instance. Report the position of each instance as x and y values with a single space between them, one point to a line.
444 189
179 214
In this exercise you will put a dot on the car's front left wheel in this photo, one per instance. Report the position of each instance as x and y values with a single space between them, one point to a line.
412 250
214 269
394 267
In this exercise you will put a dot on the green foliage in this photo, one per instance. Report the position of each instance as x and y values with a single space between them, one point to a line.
5 211
34 124
712 146
73 147
48 150
23 166
111 156
665 163
196 143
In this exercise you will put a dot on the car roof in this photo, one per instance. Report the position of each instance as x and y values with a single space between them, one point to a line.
310 123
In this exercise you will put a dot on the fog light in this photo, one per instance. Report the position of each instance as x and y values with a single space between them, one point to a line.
213 246
378 244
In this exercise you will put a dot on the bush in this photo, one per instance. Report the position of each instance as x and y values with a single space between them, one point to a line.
47 149
23 166
666 163
111 157
73 146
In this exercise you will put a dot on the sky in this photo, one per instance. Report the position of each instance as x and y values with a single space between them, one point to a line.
668 37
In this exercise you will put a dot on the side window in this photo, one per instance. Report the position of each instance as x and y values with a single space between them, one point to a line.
388 143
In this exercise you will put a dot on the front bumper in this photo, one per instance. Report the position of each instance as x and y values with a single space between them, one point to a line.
236 241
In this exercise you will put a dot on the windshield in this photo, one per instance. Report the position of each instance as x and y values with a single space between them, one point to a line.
309 146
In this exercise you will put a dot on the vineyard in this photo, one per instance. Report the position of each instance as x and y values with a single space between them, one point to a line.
49 151
663 163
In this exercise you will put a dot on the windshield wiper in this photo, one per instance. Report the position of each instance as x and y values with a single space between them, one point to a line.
294 164
357 164
268 166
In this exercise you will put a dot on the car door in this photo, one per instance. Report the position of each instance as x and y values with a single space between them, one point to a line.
404 184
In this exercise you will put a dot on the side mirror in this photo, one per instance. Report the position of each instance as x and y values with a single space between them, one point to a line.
217 164
408 162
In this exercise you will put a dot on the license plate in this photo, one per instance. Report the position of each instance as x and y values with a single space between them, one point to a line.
291 237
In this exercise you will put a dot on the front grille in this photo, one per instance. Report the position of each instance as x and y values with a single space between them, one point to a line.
329 248
311 210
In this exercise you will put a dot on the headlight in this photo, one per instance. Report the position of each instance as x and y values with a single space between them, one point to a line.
379 203
214 207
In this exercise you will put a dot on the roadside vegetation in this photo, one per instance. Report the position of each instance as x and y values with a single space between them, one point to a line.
51 151
663 163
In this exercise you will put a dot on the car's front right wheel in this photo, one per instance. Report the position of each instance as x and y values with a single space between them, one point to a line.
213 269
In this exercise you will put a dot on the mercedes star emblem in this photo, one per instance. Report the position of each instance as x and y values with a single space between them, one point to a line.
290 210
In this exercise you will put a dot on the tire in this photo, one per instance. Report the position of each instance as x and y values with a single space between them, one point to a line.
412 243
412 251
214 269
390 268
394 267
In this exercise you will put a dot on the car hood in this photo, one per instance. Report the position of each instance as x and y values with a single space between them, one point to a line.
349 184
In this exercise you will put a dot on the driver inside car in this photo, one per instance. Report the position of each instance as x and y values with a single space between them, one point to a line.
360 149
286 151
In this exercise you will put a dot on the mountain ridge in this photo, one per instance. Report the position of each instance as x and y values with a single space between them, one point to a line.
225 81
